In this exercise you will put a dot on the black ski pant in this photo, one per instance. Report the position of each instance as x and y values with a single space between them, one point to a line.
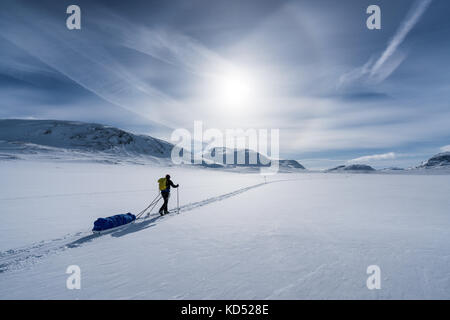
165 196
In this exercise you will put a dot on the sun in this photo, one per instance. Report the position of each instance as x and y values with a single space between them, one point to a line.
235 88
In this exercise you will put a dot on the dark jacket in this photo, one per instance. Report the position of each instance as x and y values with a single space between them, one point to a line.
169 183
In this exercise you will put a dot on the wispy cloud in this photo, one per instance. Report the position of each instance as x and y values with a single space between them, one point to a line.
129 79
445 148
378 70
85 58
374 157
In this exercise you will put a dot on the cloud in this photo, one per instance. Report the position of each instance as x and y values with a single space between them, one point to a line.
362 96
445 148
92 67
401 34
376 71
374 157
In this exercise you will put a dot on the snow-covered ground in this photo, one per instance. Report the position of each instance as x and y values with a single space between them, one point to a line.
300 236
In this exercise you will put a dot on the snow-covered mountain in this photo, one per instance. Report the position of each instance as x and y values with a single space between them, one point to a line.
352 168
292 164
89 137
245 158
440 160
75 140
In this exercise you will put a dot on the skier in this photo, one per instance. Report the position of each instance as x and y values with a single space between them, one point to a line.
164 187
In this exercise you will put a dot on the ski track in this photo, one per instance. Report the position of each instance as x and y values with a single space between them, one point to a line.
19 258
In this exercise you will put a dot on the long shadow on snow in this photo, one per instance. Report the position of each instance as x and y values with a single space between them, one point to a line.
80 241
135 227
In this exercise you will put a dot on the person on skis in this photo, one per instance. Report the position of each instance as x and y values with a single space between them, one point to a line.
164 187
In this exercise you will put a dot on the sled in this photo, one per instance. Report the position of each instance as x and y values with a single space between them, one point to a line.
104 225
112 229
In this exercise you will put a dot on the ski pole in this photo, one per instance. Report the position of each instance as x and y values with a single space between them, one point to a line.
178 200
154 205
151 203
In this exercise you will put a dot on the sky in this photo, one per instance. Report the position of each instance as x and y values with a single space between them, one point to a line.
338 92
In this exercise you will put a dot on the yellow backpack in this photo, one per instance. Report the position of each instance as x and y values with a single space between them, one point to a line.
162 184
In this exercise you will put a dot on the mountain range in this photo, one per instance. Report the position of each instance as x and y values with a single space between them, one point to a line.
92 141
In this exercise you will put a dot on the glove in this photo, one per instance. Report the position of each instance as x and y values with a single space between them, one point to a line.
178 185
